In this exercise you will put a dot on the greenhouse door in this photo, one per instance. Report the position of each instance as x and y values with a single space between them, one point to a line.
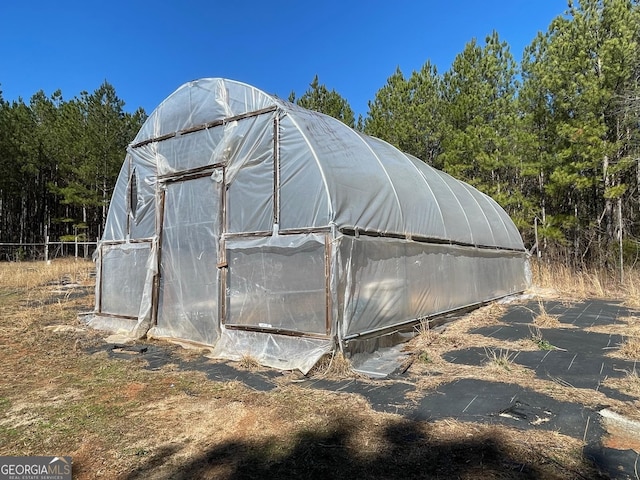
188 294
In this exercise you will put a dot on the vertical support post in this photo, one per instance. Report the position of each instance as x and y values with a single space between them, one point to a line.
46 245
327 280
620 245
535 222
160 197
276 169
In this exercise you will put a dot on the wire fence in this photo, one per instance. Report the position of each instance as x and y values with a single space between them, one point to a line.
16 252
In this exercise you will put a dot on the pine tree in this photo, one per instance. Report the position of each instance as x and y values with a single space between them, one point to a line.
574 77
480 140
407 113
331 103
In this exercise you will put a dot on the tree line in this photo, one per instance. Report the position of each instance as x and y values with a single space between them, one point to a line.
59 161
554 138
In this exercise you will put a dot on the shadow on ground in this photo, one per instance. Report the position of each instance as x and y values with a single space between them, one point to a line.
407 452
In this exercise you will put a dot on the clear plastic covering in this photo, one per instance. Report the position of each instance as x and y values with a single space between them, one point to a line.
121 294
385 282
278 283
254 226
188 294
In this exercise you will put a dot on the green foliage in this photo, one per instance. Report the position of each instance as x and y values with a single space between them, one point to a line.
61 159
484 130
574 77
631 251
614 192
543 344
425 358
407 113
320 99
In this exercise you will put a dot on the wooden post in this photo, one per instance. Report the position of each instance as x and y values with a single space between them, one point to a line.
535 220
620 244
46 244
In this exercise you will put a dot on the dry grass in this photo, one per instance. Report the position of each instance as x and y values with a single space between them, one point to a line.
427 338
631 289
333 366
27 275
488 315
565 282
544 319
630 349
432 343
629 384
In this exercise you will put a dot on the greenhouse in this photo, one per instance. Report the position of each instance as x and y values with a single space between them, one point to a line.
250 225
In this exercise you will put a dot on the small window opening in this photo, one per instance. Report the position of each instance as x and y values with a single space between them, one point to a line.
133 194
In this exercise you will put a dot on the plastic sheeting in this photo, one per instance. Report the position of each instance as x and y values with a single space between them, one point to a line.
121 295
254 226
188 297
387 282
278 283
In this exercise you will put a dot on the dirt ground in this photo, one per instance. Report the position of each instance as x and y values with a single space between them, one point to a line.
67 392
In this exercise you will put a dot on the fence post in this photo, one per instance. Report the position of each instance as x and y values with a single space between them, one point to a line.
46 244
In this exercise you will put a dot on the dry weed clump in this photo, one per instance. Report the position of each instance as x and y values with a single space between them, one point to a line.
544 319
500 358
247 362
630 349
539 340
426 336
334 366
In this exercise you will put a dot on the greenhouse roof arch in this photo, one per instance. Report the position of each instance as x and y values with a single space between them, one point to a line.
360 182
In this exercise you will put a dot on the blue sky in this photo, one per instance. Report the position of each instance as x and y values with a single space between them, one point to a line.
147 49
